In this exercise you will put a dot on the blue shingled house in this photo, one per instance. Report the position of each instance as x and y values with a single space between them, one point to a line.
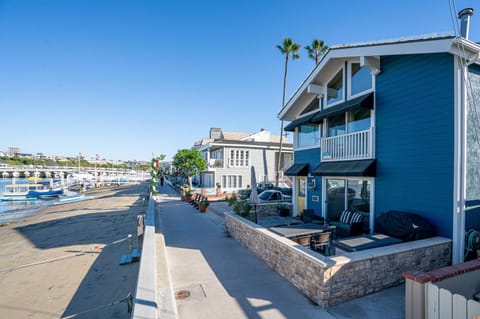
391 125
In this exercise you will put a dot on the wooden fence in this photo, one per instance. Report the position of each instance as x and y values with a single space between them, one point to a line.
442 304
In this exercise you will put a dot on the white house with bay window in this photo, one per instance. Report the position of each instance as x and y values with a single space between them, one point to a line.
230 155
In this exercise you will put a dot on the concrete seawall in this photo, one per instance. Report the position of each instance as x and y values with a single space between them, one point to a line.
154 294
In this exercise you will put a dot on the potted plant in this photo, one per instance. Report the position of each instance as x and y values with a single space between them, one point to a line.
202 207
219 189
283 210
188 194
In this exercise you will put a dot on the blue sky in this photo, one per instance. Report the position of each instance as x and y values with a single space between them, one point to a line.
125 79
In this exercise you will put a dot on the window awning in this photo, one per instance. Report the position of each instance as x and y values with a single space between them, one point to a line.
347 168
298 122
297 170
365 101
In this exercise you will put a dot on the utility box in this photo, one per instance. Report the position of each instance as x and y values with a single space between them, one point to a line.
140 225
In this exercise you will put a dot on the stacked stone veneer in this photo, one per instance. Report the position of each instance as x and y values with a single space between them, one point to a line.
267 209
331 280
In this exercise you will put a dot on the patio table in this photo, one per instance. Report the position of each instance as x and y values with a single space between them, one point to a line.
301 230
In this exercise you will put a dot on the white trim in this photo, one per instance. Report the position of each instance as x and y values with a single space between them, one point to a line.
299 115
294 195
297 134
349 82
306 148
434 45
459 180
231 162
315 89
243 146
325 95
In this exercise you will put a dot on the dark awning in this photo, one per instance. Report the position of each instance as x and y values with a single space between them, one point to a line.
347 168
297 170
298 122
365 101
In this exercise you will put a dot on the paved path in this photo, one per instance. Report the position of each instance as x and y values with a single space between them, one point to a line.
226 281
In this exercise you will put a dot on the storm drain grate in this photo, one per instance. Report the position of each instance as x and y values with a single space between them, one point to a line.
182 294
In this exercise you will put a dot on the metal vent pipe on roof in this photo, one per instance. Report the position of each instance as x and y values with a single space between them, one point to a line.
464 16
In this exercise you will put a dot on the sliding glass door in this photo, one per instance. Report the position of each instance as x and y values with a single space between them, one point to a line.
354 194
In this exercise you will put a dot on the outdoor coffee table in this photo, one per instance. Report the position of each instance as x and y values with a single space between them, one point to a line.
363 242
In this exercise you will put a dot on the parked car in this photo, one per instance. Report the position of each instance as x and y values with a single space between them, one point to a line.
272 195
264 186
244 193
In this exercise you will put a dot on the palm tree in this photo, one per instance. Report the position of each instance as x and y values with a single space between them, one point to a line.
288 48
317 48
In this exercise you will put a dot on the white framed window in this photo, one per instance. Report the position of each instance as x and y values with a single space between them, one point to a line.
239 158
355 194
360 79
308 136
232 181
335 89
312 107
349 122
217 155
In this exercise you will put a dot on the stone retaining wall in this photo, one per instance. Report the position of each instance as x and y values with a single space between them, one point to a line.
267 209
331 280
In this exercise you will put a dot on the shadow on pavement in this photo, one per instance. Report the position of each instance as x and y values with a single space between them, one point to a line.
105 281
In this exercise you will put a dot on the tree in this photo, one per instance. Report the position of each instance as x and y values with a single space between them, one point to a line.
288 48
317 48
189 161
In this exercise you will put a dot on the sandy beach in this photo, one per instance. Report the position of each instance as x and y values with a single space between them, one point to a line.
63 261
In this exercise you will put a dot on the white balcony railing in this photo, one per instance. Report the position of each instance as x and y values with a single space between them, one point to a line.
352 146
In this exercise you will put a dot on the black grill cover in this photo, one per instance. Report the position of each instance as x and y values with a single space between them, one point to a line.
404 226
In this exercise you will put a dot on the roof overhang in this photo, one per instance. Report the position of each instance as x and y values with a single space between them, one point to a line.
369 52
363 101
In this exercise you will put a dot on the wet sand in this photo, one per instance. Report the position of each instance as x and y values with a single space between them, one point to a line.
64 259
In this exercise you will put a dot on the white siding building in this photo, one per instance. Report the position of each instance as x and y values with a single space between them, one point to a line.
230 155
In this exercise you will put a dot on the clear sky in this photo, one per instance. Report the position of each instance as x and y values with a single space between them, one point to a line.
125 79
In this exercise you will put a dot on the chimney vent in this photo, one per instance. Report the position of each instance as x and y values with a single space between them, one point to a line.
464 17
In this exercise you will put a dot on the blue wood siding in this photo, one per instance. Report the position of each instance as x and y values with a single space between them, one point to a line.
415 137
312 157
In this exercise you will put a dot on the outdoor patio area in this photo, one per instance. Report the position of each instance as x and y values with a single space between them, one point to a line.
341 269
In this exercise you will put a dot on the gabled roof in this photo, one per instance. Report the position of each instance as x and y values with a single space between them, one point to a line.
414 45
261 137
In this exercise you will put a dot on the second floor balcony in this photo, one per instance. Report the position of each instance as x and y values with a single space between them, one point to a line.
215 163
352 146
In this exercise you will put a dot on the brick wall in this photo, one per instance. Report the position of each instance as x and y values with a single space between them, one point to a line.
331 280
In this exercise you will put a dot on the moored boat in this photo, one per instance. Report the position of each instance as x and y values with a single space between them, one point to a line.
19 190
72 198
51 188
43 193
19 199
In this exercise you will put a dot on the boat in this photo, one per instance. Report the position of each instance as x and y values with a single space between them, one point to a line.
44 193
19 190
72 198
19 199
51 188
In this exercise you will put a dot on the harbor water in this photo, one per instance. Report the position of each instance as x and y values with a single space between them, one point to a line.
15 210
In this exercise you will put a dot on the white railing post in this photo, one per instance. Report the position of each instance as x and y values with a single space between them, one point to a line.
358 145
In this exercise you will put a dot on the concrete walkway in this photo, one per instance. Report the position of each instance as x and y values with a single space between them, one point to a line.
224 280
